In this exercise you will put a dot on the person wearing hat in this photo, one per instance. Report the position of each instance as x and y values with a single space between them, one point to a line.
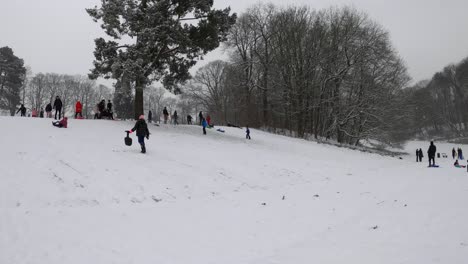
142 131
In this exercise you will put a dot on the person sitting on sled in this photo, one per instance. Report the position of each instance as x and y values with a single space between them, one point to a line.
142 131
62 123
456 164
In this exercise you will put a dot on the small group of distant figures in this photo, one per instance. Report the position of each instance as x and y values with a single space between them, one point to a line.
48 110
103 112
457 154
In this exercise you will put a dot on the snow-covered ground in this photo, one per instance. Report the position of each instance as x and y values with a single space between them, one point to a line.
79 195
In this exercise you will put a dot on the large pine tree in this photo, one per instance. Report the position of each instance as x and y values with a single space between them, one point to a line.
12 76
156 40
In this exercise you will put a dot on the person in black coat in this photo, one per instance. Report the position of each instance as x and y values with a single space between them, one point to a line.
165 114
247 133
175 117
58 107
420 155
109 106
431 154
41 114
142 131
22 109
454 153
189 119
150 116
48 110
200 117
417 155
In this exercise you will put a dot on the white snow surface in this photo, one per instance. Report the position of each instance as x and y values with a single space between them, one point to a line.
79 195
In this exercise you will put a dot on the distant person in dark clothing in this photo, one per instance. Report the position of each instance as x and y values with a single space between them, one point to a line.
166 115
62 123
58 107
41 113
102 106
175 117
420 155
454 153
200 117
417 155
247 133
189 119
431 152
204 125
142 131
109 106
48 110
460 154
22 109
150 116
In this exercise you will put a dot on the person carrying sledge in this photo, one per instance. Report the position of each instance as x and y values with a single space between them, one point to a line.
48 110
22 109
247 133
62 123
78 109
142 131
431 154
166 115
420 155
204 125
58 107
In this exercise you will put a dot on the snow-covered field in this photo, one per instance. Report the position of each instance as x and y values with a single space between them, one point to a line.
79 195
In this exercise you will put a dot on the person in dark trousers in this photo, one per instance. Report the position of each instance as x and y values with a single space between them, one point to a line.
175 116
62 123
22 109
48 110
102 106
460 154
200 117
204 125
150 116
109 106
166 115
41 113
417 155
454 153
58 107
431 154
189 119
142 131
78 109
420 155
247 133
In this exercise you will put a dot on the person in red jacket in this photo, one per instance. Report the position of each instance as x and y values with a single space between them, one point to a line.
78 109
208 120
62 123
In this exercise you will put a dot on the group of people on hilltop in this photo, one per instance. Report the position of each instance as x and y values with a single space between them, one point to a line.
58 105
101 110
431 153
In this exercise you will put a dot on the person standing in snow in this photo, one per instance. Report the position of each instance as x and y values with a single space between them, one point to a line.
247 133
142 131
62 123
208 120
200 117
454 153
204 125
431 154
460 154
78 109
109 106
22 109
150 116
58 107
175 116
421 156
189 119
417 155
166 115
41 113
48 110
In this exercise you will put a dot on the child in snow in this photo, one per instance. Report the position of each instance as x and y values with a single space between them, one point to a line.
204 124
456 164
142 131
62 123
247 133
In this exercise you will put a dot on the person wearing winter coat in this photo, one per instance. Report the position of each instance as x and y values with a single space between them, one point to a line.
420 155
431 154
460 154
247 133
166 115
58 107
109 106
150 116
204 125
175 116
78 109
22 109
208 120
41 113
417 155
102 106
142 131
62 123
200 117
48 110
189 119
454 153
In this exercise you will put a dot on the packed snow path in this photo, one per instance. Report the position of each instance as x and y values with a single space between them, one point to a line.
79 195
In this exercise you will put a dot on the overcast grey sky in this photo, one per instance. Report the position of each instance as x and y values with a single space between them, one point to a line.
57 35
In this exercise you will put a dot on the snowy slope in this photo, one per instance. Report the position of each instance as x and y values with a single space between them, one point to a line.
79 195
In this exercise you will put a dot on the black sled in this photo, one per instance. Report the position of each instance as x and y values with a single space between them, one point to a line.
128 140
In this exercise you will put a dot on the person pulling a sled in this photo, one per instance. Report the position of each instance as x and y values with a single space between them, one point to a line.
142 131
431 154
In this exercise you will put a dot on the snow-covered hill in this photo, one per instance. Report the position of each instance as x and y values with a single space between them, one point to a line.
79 195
